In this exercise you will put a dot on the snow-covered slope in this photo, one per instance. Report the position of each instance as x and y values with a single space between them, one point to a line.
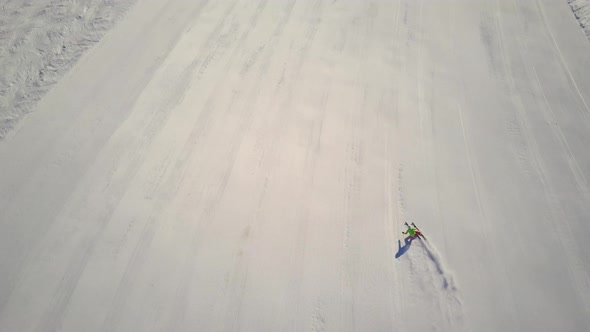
248 165
581 10
40 40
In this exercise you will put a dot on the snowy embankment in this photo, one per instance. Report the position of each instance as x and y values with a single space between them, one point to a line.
39 41
581 10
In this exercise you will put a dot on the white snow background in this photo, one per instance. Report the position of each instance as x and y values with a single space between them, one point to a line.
248 165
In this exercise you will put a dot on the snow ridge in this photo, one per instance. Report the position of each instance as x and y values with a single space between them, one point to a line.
40 40
581 10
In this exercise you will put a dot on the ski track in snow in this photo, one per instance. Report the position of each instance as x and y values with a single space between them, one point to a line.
249 165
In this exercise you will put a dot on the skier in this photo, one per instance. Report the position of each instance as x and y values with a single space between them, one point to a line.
413 231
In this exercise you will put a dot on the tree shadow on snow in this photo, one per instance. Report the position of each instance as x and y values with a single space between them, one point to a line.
402 250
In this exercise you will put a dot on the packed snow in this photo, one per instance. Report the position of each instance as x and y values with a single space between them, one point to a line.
248 165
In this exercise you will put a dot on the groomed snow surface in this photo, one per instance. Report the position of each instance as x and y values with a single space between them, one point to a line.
240 165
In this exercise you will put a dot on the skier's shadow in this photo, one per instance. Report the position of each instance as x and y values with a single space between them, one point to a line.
402 250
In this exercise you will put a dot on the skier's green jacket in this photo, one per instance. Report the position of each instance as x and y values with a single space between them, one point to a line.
411 231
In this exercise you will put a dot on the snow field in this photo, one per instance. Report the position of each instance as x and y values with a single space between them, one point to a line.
245 165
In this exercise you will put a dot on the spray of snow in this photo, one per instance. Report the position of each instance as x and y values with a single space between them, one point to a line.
449 292
448 281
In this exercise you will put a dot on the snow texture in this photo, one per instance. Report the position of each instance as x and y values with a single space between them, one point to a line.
581 10
40 40
248 165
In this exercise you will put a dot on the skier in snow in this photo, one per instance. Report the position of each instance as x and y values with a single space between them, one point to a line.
413 232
